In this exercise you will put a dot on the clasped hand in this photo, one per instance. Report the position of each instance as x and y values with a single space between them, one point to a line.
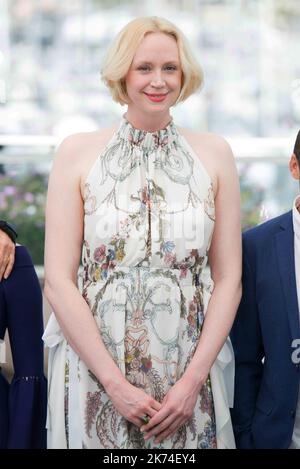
165 418
133 403
176 409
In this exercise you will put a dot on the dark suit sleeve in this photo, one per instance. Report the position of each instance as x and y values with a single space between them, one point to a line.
248 350
9 230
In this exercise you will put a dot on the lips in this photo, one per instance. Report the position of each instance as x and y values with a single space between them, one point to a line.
157 94
156 97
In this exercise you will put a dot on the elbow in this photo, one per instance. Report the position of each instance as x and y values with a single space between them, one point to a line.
236 282
239 292
232 286
50 286
47 289
230 281
56 285
236 291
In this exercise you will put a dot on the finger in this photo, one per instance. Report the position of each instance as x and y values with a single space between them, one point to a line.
9 266
156 420
137 421
180 424
148 413
3 266
170 431
156 405
162 427
13 256
151 412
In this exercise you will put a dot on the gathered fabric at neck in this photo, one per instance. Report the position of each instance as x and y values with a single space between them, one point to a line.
146 139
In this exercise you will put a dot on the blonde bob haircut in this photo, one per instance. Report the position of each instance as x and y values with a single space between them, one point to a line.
122 50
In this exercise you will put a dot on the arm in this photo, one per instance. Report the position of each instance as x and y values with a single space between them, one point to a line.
225 259
225 263
7 249
248 349
64 237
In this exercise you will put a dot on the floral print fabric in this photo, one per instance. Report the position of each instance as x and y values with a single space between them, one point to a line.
148 224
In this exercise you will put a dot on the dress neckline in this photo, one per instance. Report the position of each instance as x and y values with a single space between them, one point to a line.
146 139
124 117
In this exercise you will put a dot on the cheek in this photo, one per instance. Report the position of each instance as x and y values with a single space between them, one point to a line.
175 81
135 83
176 87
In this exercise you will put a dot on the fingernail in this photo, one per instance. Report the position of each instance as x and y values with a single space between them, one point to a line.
142 429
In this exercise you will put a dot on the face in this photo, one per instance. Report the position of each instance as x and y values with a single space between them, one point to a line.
295 170
294 167
154 79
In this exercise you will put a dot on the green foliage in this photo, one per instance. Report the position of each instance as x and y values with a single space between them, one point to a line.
22 203
251 202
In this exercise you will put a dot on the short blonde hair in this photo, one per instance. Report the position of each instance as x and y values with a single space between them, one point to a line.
121 52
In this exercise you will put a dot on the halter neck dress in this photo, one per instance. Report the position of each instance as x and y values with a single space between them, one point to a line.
148 222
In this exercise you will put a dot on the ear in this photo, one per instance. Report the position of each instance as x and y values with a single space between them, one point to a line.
294 167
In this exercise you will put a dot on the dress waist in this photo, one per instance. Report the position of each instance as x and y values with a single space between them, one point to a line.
191 276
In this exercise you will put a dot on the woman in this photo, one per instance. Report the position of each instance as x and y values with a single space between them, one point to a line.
133 364
23 401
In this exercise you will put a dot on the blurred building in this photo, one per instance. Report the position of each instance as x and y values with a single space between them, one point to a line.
51 54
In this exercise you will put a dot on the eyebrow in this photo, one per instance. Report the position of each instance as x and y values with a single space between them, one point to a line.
145 62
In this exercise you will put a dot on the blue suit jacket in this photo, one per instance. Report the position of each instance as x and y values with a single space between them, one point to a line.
267 321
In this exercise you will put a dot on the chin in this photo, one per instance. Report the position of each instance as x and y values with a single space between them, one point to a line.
158 109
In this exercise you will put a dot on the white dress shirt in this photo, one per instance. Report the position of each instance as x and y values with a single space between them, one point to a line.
296 224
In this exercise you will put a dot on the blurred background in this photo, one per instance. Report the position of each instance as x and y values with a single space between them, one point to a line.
50 60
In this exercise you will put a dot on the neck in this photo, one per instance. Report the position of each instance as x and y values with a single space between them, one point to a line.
147 122
297 203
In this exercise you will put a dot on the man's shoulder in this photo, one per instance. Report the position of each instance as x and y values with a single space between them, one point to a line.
266 230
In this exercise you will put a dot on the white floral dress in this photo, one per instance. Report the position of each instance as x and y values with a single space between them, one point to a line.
149 219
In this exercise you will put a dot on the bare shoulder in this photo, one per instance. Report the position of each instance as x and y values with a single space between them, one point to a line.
74 145
78 152
220 148
216 145
213 151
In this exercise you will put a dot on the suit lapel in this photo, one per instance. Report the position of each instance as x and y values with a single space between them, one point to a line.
286 262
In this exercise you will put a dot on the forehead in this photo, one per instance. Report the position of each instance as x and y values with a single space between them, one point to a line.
157 46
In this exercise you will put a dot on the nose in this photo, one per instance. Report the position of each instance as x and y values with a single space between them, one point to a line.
158 81
158 84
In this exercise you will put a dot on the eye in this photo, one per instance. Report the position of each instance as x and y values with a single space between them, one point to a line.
171 67
144 68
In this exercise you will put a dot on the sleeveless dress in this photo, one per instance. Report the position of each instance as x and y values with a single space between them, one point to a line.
148 224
